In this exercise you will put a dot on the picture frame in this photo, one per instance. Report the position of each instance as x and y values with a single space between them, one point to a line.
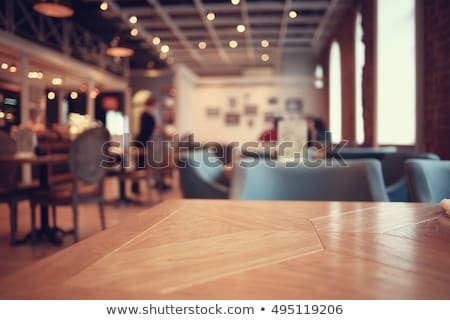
251 110
232 119
212 112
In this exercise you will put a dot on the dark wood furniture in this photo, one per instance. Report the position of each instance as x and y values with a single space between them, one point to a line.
86 157
42 162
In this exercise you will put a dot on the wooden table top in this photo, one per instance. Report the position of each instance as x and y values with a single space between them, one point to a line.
224 249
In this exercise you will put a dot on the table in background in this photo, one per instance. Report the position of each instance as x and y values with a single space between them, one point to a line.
43 162
224 249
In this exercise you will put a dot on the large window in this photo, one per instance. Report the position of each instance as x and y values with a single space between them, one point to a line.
396 72
335 102
359 65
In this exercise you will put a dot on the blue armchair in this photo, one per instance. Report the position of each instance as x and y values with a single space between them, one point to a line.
361 180
428 180
201 174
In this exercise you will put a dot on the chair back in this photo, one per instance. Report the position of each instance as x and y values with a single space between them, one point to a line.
360 180
362 153
8 173
393 164
200 174
87 153
393 167
428 180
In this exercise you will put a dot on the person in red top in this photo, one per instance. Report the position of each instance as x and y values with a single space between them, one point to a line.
271 134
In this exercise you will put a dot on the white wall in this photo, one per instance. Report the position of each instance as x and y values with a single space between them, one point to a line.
196 94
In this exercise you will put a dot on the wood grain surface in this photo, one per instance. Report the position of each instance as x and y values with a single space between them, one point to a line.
223 249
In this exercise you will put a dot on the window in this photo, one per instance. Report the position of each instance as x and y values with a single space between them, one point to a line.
360 60
396 72
335 96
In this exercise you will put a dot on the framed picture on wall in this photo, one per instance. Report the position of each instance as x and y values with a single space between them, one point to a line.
272 101
232 119
294 105
232 102
250 110
212 112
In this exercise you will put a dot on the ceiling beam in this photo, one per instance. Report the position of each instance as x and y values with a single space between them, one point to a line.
143 34
217 7
248 32
194 22
175 29
211 31
283 31
323 24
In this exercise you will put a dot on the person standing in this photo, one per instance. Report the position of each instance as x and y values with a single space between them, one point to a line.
147 132
147 121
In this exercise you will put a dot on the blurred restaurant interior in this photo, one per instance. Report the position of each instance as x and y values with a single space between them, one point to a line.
131 108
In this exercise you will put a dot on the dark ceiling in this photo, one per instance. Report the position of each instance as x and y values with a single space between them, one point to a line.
182 25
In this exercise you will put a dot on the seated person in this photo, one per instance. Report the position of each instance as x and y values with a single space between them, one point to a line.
317 130
270 135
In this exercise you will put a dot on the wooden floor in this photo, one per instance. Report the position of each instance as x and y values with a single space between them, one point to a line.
13 258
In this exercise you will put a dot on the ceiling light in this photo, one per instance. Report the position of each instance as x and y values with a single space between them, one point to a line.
134 32
104 6
318 84
74 95
4 66
54 8
165 48
162 55
240 28
235 2
233 44
51 95
57 81
40 75
265 43
156 41
32 75
12 68
292 14
133 19
211 16
118 50
265 57
202 45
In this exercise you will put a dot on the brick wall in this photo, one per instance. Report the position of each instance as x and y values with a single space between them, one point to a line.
436 110
436 81
345 36
346 39
368 12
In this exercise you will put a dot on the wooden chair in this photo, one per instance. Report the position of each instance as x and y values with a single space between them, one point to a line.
8 185
85 159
